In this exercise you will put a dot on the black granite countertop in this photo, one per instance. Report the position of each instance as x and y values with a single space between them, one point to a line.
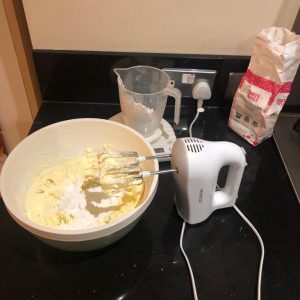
147 263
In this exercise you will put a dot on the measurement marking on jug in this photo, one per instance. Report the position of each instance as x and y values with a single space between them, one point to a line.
200 195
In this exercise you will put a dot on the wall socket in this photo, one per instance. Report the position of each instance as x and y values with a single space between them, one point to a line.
232 84
186 79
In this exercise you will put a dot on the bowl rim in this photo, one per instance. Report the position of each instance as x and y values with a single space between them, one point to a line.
76 234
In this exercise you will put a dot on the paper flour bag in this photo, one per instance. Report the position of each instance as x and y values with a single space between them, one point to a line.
266 84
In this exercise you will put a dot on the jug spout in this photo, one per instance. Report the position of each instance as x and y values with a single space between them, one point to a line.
121 73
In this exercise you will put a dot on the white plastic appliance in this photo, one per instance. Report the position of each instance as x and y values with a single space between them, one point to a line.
161 141
198 164
143 93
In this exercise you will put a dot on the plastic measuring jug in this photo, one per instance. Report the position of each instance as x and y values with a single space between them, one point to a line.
143 93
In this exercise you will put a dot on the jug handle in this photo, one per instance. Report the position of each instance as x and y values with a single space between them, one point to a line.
234 156
176 94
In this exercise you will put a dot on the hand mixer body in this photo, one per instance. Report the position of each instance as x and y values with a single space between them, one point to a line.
198 164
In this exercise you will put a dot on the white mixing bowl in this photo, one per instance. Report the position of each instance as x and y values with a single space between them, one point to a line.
57 143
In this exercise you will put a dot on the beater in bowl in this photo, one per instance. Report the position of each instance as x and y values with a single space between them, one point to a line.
121 169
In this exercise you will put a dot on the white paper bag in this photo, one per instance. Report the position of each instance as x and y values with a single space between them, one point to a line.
266 84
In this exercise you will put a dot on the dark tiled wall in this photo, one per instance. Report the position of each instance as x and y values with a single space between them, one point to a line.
88 76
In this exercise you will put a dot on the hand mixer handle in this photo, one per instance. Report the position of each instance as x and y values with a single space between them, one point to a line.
234 156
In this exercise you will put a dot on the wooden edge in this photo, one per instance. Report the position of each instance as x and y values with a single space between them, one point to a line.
21 38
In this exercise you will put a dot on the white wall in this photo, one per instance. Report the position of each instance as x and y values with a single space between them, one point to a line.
15 114
165 26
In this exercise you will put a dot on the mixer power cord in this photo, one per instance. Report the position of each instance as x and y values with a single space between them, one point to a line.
261 258
200 109
188 262
262 250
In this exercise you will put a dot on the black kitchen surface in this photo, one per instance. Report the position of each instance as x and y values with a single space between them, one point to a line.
147 262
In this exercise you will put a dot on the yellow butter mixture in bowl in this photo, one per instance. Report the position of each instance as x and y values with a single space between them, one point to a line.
69 195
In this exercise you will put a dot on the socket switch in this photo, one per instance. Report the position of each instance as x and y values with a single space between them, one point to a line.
186 79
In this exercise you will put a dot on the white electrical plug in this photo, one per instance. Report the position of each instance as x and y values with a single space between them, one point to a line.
201 91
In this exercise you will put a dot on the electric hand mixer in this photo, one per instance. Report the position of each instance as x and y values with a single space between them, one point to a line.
196 165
